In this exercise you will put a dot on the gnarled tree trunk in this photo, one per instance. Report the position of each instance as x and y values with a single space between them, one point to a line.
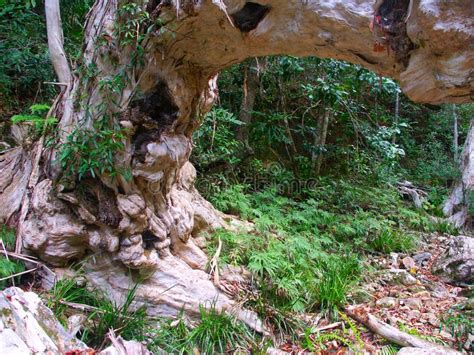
148 74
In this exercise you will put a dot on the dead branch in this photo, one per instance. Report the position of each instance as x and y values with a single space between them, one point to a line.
391 333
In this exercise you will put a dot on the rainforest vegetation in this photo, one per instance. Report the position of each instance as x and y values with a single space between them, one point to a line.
313 157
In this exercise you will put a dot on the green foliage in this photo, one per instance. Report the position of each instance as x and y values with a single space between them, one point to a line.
218 332
415 332
7 235
37 119
25 64
91 152
388 241
105 314
233 200
337 275
10 266
128 323
172 336
215 141
460 323
67 290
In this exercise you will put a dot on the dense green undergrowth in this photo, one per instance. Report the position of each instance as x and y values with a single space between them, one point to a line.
306 253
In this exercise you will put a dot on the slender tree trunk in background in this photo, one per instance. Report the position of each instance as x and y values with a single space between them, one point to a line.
284 107
322 139
397 115
56 41
149 72
455 135
458 206
250 88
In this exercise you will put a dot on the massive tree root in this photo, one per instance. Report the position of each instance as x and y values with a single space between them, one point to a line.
148 75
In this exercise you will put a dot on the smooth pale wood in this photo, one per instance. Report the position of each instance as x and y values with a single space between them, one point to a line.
393 334
56 41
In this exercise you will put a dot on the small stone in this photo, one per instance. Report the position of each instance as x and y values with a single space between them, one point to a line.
439 291
422 294
398 276
407 279
394 260
422 258
386 302
408 263
413 314
361 296
469 342
413 303
433 320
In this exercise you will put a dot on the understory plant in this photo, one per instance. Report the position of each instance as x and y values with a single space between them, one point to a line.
103 314
215 332
8 265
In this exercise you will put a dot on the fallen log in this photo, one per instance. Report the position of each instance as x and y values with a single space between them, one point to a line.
391 333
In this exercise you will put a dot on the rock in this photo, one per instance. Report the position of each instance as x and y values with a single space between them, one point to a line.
413 303
422 294
432 319
468 344
125 347
422 258
386 302
275 351
361 296
408 263
75 323
398 276
27 326
394 260
456 264
439 291
426 351
413 314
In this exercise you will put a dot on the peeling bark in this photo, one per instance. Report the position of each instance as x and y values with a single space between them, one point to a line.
151 223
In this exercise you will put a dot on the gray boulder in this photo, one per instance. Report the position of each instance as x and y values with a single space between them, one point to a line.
456 264
27 326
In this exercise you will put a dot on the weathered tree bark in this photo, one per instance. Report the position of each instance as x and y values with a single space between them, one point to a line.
150 67
459 203
250 88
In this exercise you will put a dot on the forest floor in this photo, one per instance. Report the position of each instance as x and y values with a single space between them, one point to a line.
404 293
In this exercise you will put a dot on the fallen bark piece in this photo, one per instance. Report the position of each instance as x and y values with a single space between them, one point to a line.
394 334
